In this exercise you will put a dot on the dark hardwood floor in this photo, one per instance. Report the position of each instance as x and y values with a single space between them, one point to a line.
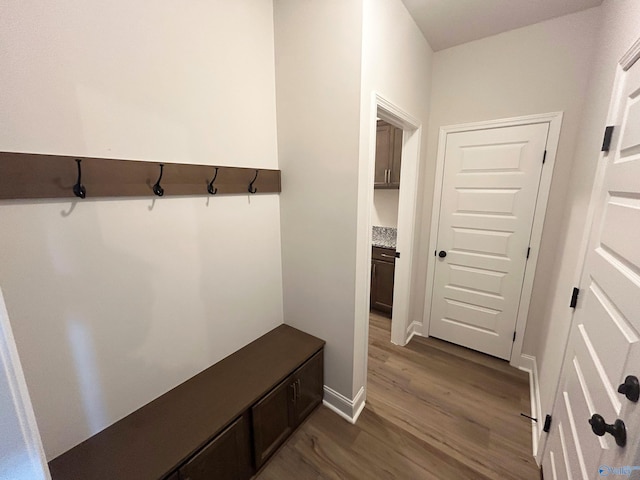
434 411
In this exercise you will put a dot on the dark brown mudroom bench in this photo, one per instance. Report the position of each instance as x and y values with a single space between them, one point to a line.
224 423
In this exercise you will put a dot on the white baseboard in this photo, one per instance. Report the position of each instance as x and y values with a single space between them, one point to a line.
528 364
348 409
414 329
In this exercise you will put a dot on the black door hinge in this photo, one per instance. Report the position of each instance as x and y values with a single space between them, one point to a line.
514 336
574 297
397 254
544 157
528 251
606 141
547 424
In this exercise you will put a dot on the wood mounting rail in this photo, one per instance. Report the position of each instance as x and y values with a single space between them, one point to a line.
27 175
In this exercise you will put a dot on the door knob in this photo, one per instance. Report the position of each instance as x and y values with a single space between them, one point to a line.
618 429
442 254
630 388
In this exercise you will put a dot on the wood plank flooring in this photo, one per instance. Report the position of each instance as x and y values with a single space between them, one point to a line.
434 411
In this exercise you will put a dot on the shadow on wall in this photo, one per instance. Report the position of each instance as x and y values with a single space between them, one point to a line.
83 314
113 303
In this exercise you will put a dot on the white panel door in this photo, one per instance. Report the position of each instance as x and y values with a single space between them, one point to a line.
490 186
604 343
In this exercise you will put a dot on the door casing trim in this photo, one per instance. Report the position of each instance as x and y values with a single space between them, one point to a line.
554 119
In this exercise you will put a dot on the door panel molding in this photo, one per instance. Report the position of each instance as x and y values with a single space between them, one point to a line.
554 120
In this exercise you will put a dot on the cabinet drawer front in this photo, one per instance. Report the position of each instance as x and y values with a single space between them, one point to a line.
383 254
226 457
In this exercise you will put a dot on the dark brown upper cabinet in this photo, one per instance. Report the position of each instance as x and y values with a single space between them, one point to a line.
388 156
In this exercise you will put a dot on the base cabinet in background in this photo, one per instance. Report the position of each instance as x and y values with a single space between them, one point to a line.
382 275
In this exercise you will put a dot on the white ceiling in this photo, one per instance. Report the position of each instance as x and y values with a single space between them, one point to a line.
446 23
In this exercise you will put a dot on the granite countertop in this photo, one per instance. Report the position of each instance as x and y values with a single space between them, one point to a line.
384 237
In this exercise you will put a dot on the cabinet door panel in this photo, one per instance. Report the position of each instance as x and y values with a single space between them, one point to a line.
309 387
272 421
384 148
382 286
227 457
396 158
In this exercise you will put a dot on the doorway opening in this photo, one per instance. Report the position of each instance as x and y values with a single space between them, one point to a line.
396 179
384 216
402 329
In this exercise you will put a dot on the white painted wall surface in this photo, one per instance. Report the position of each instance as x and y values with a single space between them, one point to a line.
21 453
537 69
318 56
384 211
115 301
323 100
619 30
396 64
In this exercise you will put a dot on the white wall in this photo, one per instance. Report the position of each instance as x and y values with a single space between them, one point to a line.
115 301
318 56
385 207
536 69
620 29
324 118
396 64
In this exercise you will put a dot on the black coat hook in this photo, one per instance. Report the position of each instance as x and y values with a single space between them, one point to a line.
78 188
210 188
157 189
251 189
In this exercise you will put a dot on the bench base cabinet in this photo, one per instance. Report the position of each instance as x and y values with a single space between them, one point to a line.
222 424
285 407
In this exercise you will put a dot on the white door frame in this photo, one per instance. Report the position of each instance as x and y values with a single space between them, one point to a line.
401 329
26 437
401 332
554 120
